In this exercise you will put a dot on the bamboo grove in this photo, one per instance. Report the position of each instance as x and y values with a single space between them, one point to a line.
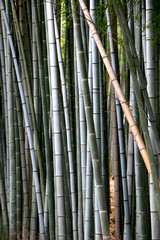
79 105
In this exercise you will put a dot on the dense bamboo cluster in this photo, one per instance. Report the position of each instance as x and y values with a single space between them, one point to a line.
70 72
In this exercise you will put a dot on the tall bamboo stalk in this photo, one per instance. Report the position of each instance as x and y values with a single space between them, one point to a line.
59 181
3 200
151 88
13 230
68 130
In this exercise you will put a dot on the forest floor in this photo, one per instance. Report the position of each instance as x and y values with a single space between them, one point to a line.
112 213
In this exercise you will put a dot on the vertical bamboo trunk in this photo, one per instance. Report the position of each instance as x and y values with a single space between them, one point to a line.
59 179
141 204
13 230
68 130
78 151
88 234
151 88
18 171
116 170
3 67
130 159
96 111
3 200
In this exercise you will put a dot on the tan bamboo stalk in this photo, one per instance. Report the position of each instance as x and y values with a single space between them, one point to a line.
117 88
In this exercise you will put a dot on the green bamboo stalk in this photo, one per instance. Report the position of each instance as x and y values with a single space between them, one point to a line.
25 230
83 136
84 39
116 169
3 200
96 111
104 160
34 215
68 130
18 171
5 99
12 213
4 145
89 223
151 89
56 124
44 52
4 34
130 158
78 150
141 209
36 101
67 187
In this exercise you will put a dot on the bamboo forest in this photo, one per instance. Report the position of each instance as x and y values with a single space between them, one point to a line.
80 119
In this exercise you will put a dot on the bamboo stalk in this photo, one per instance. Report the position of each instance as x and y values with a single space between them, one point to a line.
3 200
68 129
78 150
58 169
12 163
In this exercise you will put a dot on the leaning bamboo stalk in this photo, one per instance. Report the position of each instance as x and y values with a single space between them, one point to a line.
117 88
